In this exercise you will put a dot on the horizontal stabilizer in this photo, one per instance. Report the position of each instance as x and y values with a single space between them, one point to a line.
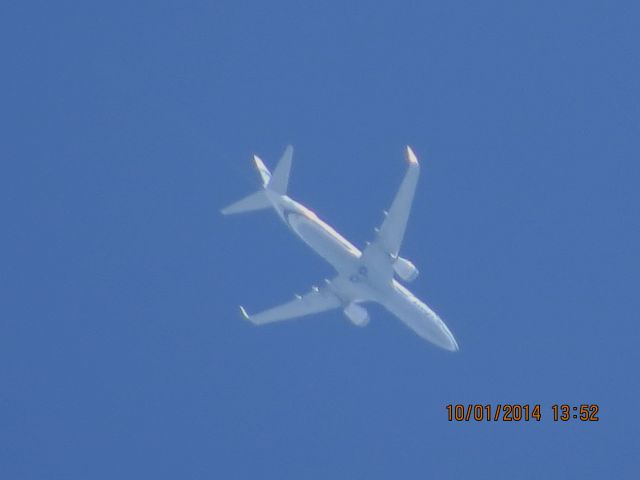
255 201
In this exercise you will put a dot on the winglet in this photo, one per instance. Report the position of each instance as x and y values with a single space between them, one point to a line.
244 313
411 157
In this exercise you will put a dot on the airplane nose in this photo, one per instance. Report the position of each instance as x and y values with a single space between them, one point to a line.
442 337
446 340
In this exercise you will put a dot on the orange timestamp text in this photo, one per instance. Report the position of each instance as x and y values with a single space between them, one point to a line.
517 412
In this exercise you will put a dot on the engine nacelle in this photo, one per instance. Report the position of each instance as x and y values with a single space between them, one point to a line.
356 314
406 270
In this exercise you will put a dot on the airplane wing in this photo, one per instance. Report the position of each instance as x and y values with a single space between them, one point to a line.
317 300
392 230
388 241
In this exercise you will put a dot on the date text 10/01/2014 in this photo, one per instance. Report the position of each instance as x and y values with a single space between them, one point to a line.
514 412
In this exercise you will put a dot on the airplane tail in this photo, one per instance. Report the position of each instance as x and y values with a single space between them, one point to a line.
280 178
276 182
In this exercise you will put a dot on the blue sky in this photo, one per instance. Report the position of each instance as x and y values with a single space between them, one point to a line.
127 126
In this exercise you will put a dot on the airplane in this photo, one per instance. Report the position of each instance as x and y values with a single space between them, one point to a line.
362 276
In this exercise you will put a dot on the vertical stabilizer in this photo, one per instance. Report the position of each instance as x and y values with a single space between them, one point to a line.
280 177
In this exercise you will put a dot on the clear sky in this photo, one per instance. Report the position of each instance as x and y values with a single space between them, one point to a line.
126 126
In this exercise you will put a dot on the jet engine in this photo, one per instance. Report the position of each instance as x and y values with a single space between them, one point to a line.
357 315
406 270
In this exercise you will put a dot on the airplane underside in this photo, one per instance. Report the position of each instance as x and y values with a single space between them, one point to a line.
362 276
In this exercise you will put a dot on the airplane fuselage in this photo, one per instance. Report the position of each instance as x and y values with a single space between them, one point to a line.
357 281
320 236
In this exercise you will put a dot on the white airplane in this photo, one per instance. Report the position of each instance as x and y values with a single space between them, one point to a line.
366 276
